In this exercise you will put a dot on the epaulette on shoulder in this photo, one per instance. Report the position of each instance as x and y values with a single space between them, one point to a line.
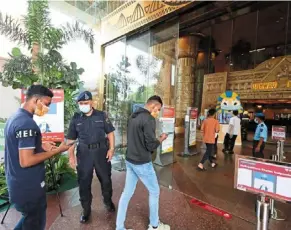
262 125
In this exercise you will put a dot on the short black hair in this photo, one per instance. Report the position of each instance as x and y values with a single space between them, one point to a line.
211 112
235 112
38 91
155 98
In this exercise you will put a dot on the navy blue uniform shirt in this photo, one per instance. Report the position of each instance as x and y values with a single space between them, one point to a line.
90 129
24 184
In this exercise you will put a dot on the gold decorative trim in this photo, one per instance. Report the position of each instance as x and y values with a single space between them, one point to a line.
269 80
133 15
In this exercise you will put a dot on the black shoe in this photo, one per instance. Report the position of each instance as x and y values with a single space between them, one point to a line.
110 207
85 216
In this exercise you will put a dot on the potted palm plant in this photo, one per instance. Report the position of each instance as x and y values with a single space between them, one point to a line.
45 65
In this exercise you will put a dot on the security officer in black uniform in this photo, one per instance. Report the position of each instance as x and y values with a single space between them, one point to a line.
95 149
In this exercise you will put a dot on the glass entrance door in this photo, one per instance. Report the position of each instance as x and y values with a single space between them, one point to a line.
162 78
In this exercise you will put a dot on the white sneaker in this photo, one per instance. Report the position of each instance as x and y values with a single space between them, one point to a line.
160 227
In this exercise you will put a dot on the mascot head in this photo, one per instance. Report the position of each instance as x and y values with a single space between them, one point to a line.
228 101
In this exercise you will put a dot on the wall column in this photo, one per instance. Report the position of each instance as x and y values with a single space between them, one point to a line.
184 87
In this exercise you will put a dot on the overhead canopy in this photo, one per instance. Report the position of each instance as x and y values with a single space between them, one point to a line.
97 8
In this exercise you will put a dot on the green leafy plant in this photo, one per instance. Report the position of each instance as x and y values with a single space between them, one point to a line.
3 186
45 65
61 167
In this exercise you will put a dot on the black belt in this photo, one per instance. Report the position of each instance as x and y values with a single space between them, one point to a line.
94 145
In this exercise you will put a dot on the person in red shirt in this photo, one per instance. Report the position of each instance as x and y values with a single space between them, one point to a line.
210 129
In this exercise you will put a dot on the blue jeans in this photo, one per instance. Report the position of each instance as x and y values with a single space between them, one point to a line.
33 214
148 177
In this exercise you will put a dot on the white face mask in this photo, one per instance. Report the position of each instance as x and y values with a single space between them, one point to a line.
256 121
85 108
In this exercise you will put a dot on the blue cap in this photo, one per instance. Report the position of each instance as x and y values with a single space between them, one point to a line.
84 96
259 115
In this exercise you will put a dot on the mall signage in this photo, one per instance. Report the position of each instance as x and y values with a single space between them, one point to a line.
278 133
167 124
263 177
193 115
265 85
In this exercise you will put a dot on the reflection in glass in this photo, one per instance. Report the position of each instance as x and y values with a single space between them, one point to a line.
162 79
271 32
137 51
220 45
244 42
117 87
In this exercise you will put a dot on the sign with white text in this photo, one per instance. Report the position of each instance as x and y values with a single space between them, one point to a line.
264 177
167 124
193 115
278 133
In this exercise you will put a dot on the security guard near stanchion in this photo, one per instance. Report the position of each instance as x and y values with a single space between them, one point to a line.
95 149
260 137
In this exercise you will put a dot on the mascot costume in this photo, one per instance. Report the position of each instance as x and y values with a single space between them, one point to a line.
227 102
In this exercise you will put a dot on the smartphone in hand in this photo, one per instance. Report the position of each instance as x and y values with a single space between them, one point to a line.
70 143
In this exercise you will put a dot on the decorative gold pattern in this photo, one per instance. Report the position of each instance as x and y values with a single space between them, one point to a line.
269 80
214 85
133 15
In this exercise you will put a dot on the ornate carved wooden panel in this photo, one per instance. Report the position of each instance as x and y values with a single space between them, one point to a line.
214 85
269 80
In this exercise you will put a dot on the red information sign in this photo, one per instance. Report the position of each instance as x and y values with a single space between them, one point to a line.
193 113
278 133
259 176
168 112
51 124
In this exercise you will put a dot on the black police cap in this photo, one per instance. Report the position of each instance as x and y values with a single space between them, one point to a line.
84 96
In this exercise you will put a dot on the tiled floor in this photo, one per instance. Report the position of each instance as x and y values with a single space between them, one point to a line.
214 187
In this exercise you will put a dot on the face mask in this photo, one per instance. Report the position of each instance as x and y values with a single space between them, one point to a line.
256 121
155 114
41 112
85 108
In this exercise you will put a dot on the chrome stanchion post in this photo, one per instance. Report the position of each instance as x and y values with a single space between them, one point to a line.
278 151
185 152
272 209
259 205
266 207
282 157
187 124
